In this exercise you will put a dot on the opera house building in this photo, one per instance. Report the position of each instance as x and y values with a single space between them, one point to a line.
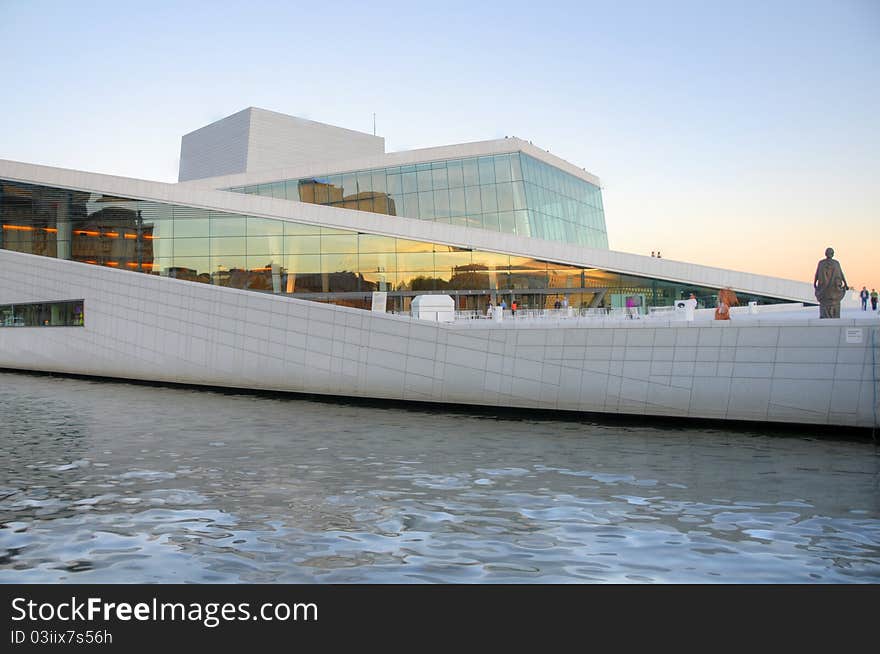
261 266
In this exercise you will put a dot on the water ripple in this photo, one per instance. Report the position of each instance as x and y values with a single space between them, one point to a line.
104 482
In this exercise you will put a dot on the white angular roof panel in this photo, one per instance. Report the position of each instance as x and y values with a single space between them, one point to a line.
255 140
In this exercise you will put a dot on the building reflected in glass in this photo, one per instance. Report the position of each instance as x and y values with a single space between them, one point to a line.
315 262
510 193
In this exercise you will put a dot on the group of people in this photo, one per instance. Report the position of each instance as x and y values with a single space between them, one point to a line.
864 296
502 306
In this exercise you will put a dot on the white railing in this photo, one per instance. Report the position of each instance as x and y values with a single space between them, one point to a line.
661 313
569 316
469 315
585 317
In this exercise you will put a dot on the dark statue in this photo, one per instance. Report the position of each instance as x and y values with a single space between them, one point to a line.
830 286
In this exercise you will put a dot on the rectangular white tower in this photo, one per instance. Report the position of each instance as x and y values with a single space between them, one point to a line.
256 139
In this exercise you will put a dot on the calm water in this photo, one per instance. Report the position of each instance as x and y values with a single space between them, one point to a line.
106 482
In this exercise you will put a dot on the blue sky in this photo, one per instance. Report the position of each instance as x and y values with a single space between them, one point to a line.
729 134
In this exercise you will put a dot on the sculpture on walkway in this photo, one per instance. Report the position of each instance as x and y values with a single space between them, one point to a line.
830 285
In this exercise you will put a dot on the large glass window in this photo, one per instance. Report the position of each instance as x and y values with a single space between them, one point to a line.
278 256
474 192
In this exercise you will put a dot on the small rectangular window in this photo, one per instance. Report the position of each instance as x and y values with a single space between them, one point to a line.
67 313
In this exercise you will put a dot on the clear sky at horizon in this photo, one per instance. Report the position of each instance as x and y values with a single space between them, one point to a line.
741 135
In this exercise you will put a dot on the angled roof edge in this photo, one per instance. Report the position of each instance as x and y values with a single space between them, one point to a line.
409 228
402 158
246 110
255 110
279 114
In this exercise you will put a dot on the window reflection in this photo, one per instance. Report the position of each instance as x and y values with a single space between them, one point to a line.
380 262
334 243
275 256
264 245
227 226
339 262
303 263
404 245
300 229
420 261
70 313
302 244
228 246
192 269
264 227
473 192
375 243
191 247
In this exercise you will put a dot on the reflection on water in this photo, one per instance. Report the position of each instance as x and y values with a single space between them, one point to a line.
105 482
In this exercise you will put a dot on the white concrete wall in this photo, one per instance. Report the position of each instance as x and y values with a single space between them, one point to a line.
152 328
220 148
255 140
278 140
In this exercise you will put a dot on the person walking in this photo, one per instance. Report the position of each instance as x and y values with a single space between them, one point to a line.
873 299
513 308
863 296
489 310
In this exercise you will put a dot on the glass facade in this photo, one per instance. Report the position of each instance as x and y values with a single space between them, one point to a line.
511 193
319 263
69 313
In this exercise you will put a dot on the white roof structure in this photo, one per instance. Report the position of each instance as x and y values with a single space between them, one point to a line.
404 158
255 140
